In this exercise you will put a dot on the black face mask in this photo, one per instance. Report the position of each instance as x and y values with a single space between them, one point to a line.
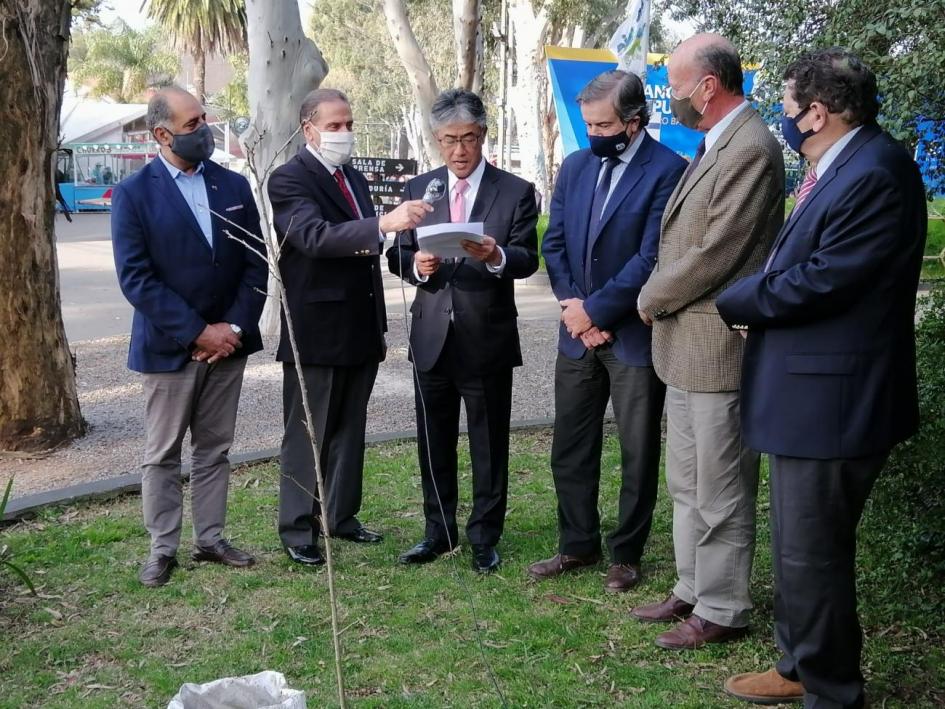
193 147
609 146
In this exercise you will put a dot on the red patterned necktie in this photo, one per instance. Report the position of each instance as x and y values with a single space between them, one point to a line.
805 189
340 179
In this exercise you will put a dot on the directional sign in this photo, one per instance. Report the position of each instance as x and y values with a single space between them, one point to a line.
388 167
386 178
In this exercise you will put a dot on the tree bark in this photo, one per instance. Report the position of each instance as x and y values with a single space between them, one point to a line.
39 408
530 29
200 76
284 65
467 27
422 81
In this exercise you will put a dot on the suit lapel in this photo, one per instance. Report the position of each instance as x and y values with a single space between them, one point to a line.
325 181
628 180
361 195
215 202
488 191
860 139
441 207
165 184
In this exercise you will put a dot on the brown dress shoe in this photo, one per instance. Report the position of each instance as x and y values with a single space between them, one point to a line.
223 553
559 564
764 688
622 577
694 632
673 609
157 570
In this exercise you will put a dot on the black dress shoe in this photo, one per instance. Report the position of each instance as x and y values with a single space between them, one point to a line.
308 554
485 558
424 552
361 535
222 552
157 570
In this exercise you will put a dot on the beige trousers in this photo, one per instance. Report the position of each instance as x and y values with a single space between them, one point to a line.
713 480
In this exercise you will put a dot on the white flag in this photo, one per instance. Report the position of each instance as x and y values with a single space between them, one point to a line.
631 41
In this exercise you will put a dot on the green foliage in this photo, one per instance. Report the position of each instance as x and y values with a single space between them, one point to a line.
903 42
120 62
5 554
201 27
908 508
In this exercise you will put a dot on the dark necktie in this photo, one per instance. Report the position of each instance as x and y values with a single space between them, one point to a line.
600 194
700 152
340 179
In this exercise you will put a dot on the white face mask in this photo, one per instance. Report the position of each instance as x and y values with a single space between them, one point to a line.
336 146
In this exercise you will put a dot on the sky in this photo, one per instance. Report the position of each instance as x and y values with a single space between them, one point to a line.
130 12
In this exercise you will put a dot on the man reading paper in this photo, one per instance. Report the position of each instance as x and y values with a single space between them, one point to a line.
464 336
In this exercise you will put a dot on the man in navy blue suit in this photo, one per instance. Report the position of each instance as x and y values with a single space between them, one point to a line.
829 382
600 247
197 292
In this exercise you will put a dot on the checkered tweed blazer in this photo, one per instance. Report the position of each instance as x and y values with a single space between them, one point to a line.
717 227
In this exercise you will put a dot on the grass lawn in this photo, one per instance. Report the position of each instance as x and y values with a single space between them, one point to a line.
95 638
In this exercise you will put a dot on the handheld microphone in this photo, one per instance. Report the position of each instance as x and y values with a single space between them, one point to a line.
436 188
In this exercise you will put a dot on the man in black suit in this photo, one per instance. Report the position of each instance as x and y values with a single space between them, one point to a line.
464 335
829 380
330 264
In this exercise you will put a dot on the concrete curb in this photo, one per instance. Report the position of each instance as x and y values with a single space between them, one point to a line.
130 483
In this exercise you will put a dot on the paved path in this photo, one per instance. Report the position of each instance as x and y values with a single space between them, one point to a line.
97 320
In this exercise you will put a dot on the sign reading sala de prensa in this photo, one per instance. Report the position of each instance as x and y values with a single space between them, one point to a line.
386 178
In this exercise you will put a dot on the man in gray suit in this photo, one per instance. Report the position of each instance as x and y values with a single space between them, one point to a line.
718 226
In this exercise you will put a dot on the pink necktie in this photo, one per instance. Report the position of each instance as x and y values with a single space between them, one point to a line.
458 205
805 189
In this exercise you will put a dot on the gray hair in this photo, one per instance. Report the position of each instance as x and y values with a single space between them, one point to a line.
316 98
160 114
457 106
624 89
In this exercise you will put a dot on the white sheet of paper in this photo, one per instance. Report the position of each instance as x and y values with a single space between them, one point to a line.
443 239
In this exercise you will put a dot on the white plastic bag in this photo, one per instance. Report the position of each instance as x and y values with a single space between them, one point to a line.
266 690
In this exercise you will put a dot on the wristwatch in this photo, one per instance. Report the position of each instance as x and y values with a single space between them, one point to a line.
237 329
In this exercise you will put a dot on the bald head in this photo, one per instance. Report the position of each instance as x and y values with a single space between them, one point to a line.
708 54
167 104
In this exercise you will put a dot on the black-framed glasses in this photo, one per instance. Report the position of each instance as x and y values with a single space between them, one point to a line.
450 141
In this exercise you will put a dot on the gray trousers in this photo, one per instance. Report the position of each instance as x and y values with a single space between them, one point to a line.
338 399
713 480
582 389
203 398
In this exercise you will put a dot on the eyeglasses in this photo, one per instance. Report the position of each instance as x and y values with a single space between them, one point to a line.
450 141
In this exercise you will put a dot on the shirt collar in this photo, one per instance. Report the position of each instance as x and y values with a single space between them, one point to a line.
833 151
327 165
474 178
715 132
627 155
176 171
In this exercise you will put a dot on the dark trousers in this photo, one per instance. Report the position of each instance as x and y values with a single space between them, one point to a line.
488 402
582 388
815 508
338 398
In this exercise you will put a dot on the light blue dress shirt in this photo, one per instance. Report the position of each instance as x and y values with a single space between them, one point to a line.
194 189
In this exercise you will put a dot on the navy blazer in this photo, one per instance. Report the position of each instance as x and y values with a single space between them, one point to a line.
609 272
176 282
330 263
829 368
479 304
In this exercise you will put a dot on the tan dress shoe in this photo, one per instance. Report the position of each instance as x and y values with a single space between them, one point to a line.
764 688
673 609
559 564
622 577
694 632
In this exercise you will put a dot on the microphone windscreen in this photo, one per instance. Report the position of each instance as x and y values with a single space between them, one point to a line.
436 188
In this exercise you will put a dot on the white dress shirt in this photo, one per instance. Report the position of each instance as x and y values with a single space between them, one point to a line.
621 167
715 132
833 151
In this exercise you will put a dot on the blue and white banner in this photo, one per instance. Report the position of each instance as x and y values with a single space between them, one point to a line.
631 41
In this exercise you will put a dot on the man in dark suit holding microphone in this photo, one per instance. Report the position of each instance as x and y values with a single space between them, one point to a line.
829 381
332 240
464 336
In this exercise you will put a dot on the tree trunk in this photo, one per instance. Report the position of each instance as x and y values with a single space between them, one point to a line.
39 408
284 65
200 76
421 77
467 27
527 96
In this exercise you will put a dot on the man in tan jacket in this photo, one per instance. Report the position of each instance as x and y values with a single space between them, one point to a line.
718 226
